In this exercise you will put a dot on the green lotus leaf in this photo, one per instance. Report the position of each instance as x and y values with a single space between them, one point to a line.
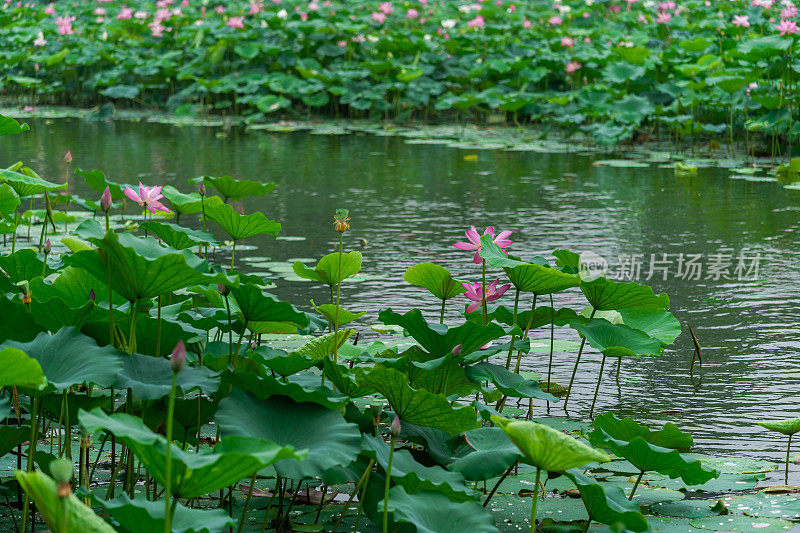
419 407
18 369
240 226
527 277
70 358
343 379
745 524
608 505
605 295
414 477
301 388
628 429
790 426
17 324
439 340
140 268
255 306
509 383
329 439
542 316
567 260
9 200
24 265
140 515
150 378
436 279
327 269
661 325
433 512
72 286
97 180
193 474
236 189
27 185
13 436
493 454
548 448
43 491
321 347
617 340
188 204
54 314
649 457
344 316
178 237
9 126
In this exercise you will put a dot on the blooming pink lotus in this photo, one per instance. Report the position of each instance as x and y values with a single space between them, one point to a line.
663 18
412 13
148 198
386 8
379 17
741 21
572 66
235 22
787 27
64 25
474 243
125 13
475 293
567 41
477 22
555 20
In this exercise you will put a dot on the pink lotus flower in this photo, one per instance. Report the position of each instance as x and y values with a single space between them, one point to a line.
386 8
125 13
40 40
666 6
378 17
220 10
148 198
412 13
526 24
555 20
572 66
789 12
787 27
49 10
477 22
235 22
474 243
475 293
568 42
741 21
663 18
64 25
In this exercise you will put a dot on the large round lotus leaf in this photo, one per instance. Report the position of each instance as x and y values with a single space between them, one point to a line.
43 491
790 426
493 454
70 358
766 505
617 340
330 440
685 508
435 278
236 188
432 512
604 295
150 378
724 483
20 370
517 511
547 448
666 524
745 524
732 465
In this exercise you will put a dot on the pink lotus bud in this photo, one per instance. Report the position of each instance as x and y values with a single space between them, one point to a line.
223 289
202 188
47 247
395 427
178 358
457 350
105 200
92 297
68 157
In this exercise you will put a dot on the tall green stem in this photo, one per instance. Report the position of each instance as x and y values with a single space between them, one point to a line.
597 388
483 294
168 459
338 299
636 485
552 336
230 332
513 323
527 330
386 489
31 453
788 447
441 315
577 362
158 329
535 500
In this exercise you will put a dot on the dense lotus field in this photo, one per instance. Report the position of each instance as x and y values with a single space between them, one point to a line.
611 69
148 382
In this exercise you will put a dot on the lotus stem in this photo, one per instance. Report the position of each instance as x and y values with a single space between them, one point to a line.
552 337
788 447
67 427
31 453
441 315
66 194
499 482
338 299
483 294
230 331
513 323
132 334
247 501
108 224
577 361
535 500
386 488
158 329
597 388
524 333
636 485
361 482
168 459
527 329
233 254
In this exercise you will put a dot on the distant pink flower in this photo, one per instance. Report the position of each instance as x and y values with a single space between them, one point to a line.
220 10
474 243
787 27
378 17
49 10
99 11
148 198
526 24
512 8
663 18
412 13
477 22
789 12
64 25
156 29
555 20
566 41
666 6
741 21
255 7
125 13
752 85
643 19
303 15
475 293
235 22
39 41
572 66
386 8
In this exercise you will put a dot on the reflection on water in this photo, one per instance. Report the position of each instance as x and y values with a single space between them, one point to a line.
411 202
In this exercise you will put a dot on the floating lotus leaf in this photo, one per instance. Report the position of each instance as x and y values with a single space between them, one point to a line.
511 384
435 278
608 505
617 340
432 512
547 448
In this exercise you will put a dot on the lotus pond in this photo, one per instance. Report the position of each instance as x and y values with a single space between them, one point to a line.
241 405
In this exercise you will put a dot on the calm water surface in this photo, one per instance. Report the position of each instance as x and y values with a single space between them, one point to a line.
411 202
